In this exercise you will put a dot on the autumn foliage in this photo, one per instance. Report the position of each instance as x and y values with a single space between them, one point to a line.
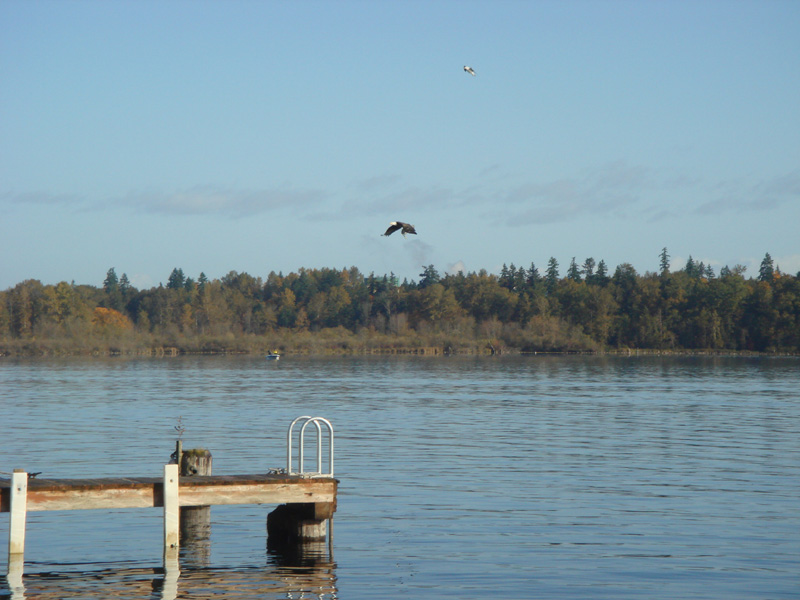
342 310
110 319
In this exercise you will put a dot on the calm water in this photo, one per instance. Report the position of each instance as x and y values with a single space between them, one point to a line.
536 477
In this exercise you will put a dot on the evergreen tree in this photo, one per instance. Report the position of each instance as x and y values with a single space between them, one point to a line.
125 285
551 275
176 279
691 268
664 262
507 277
519 280
111 283
573 273
601 277
429 276
532 277
112 289
766 271
588 269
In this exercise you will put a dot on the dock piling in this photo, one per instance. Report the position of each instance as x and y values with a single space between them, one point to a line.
195 531
171 510
18 507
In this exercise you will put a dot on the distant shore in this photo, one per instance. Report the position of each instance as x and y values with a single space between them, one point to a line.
55 350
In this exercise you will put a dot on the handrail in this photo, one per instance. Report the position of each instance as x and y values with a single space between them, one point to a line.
301 471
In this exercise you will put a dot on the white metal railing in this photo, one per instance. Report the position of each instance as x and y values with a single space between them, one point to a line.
307 420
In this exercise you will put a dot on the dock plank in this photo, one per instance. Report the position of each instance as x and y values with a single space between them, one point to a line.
143 492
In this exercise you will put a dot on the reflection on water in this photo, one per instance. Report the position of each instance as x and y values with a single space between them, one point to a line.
308 571
562 478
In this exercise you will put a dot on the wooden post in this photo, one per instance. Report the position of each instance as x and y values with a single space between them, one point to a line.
196 520
171 521
19 508
178 451
297 523
296 533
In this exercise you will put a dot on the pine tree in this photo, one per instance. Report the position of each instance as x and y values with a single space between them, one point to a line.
429 276
588 269
111 283
766 271
176 279
601 278
532 277
112 289
573 272
551 275
691 267
125 285
506 277
664 262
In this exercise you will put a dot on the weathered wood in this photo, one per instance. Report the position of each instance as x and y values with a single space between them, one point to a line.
265 492
18 502
290 524
140 492
197 461
196 520
171 519
312 501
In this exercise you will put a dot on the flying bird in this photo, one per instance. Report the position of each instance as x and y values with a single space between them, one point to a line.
405 227
469 70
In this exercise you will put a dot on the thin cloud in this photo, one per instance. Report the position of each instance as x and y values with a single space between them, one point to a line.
607 190
217 200
456 268
392 202
373 184
39 197
736 196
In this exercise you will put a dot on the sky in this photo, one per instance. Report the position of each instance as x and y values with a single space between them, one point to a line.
260 136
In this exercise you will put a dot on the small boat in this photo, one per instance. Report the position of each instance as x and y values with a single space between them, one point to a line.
273 355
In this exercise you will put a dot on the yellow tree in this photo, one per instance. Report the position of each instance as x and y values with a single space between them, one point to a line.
110 321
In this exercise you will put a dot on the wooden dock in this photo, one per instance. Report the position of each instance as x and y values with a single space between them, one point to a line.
148 492
306 500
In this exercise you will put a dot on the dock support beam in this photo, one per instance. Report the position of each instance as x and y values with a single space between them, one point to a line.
171 517
18 507
291 524
195 531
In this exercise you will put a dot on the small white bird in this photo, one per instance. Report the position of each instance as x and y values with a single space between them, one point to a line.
469 70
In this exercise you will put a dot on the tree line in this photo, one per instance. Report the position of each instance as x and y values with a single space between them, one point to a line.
588 308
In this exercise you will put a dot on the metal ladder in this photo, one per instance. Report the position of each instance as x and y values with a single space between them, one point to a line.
307 420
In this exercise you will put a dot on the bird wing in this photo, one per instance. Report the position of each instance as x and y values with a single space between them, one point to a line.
409 229
393 228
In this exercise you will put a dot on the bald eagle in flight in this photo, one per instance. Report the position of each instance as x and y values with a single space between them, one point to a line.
469 70
405 227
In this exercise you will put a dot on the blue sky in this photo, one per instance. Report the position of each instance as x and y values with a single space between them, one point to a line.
269 136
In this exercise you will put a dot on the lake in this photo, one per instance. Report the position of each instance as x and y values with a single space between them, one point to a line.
558 477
